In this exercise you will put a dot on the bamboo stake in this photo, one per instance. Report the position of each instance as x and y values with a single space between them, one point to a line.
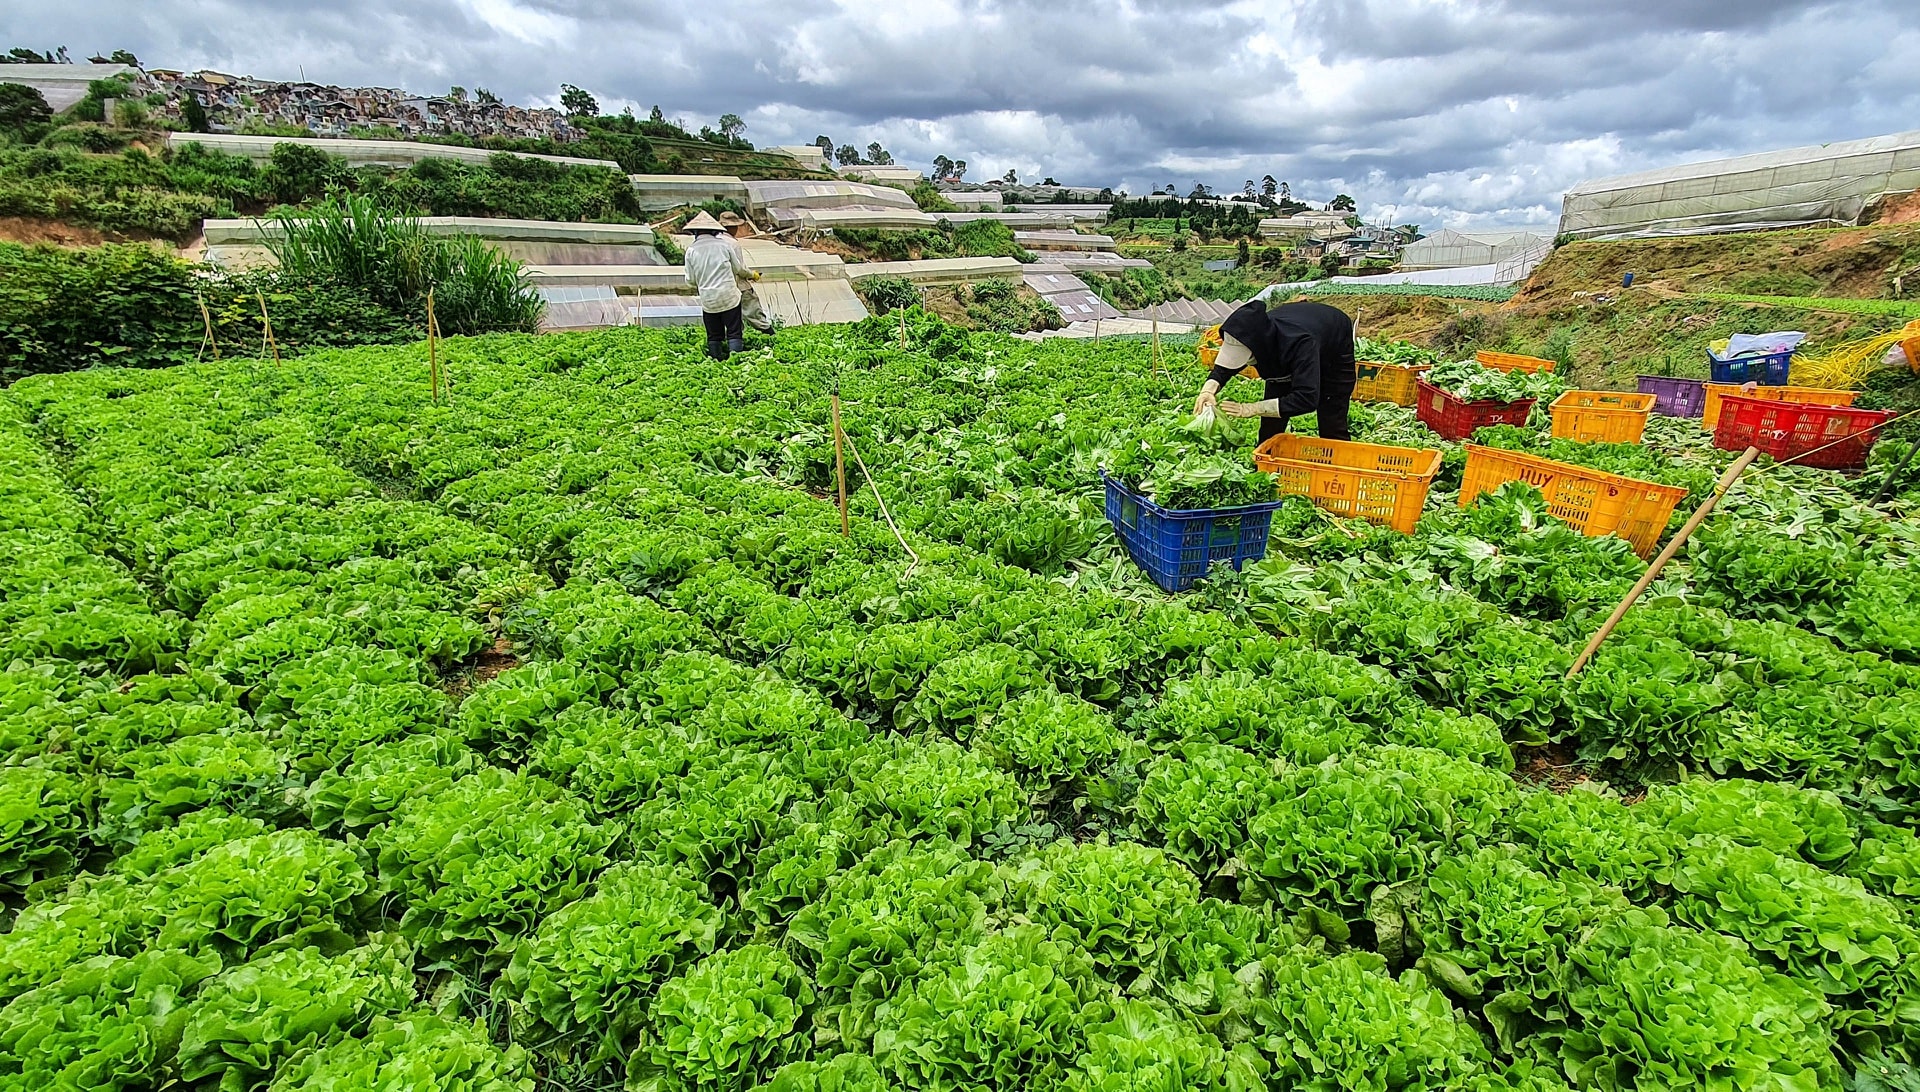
266 327
207 318
1653 571
882 502
1096 331
1894 474
433 349
840 468
1156 349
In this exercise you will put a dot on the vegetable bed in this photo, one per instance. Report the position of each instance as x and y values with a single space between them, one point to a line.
553 736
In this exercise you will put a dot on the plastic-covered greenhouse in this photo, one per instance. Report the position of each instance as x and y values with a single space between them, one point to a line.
1449 249
1823 184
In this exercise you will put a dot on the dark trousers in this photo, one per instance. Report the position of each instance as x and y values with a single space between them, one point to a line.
726 333
1336 398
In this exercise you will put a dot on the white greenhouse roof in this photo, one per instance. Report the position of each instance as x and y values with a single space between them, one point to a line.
824 195
62 85
1822 183
385 153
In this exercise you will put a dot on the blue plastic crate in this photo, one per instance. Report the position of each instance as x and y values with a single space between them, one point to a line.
1768 370
1177 547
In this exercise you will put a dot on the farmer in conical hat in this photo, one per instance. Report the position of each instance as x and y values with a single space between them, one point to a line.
752 312
714 267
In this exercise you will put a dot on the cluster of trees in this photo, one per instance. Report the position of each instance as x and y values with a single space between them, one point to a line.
948 170
23 55
1268 193
582 107
849 156
1203 215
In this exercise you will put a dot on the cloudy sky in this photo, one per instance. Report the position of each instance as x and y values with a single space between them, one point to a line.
1464 113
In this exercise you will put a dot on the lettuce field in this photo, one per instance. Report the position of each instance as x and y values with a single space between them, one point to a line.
553 736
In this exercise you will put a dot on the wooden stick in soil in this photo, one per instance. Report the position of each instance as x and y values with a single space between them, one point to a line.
1653 571
1156 349
1893 475
840 468
882 502
433 350
207 318
266 327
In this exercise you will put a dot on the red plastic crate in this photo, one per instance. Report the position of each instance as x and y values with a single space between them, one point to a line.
1455 419
1788 430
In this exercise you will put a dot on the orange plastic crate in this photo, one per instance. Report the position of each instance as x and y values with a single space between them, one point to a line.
1592 501
1513 362
1608 417
1396 383
1805 396
1374 482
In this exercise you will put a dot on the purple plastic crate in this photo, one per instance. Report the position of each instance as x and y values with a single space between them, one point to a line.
1675 397
1175 546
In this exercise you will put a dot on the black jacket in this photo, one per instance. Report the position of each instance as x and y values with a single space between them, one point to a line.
1293 343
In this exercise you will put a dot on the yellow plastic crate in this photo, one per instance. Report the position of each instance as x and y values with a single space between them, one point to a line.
1374 482
1592 501
1805 396
1395 383
1513 362
1608 417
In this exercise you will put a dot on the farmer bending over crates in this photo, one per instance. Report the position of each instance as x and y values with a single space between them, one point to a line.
1304 353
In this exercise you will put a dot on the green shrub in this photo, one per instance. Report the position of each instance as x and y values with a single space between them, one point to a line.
133 306
884 294
352 241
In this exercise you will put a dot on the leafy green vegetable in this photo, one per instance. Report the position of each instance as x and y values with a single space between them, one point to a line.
44 819
1663 1006
481 863
1789 821
938 789
1592 833
1472 381
1049 736
105 1023
250 1018
730 1021
1201 798
1497 930
1145 1048
902 909
1338 830
414 1051
1341 1022
1011 1013
1825 930
589 967
1118 902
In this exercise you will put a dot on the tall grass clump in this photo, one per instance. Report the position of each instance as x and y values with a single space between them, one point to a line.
350 240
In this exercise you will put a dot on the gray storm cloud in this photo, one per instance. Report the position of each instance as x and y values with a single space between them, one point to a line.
1458 112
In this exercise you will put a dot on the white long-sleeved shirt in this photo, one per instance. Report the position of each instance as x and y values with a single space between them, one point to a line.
713 263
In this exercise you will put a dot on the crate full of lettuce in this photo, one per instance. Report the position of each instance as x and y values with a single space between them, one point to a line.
1184 495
